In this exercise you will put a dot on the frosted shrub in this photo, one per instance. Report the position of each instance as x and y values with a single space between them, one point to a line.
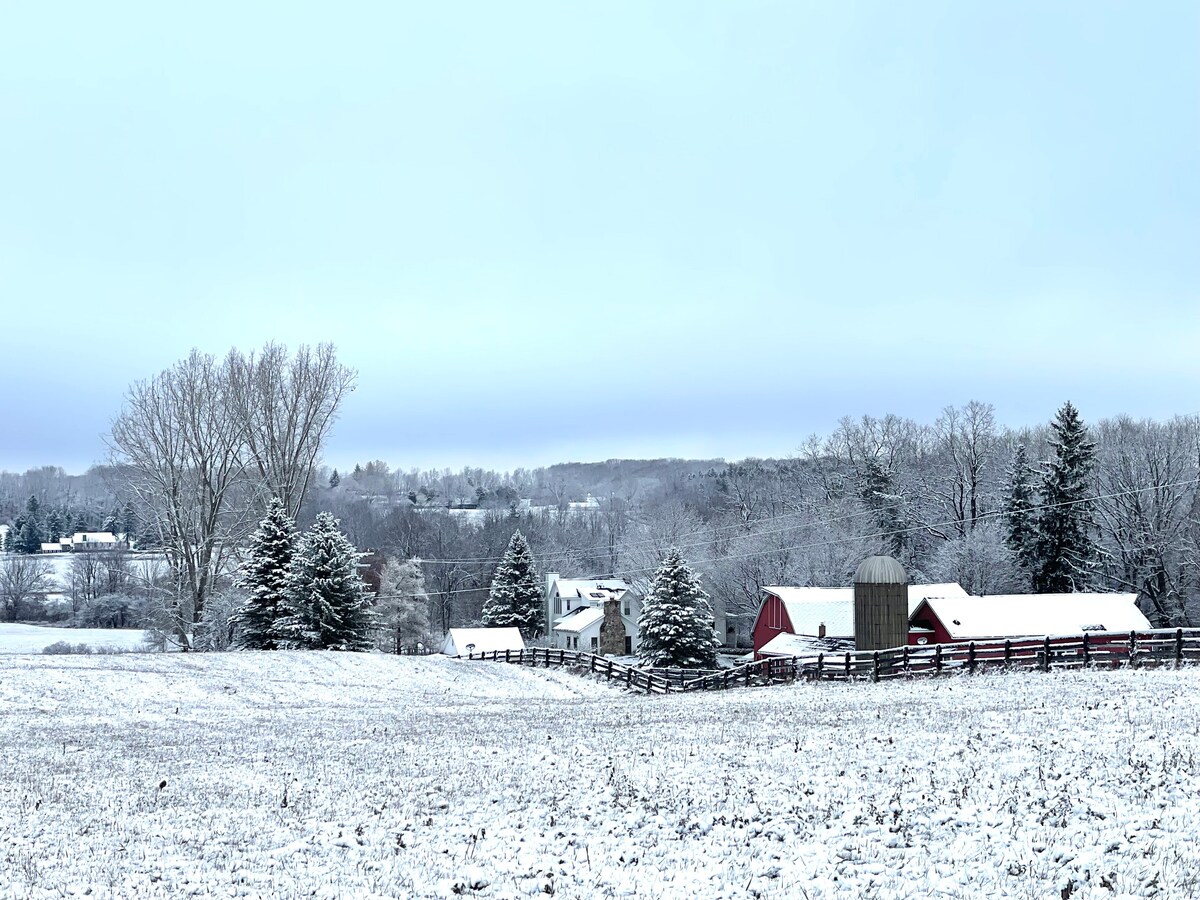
66 648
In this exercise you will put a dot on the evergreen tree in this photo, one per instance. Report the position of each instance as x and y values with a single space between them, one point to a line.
54 526
32 508
335 479
676 624
402 606
129 522
264 575
110 525
1067 556
515 599
326 603
1020 517
81 524
30 538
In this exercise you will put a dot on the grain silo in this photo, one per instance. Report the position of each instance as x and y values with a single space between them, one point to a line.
880 604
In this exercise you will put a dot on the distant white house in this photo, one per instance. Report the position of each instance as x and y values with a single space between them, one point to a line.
574 607
465 641
86 542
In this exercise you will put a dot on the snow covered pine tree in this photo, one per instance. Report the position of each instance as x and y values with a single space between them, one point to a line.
676 624
515 599
326 604
264 575
1066 549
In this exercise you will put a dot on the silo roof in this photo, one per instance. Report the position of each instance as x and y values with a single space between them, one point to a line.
880 570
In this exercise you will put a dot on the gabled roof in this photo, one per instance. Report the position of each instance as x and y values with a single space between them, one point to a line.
809 608
585 588
1023 615
579 620
482 640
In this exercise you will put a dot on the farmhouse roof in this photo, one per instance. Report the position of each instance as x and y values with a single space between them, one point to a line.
579 620
1019 615
809 608
588 588
482 640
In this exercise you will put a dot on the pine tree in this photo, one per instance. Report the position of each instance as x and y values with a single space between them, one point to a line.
1019 514
515 599
676 624
54 526
402 606
1067 556
264 575
326 603
30 538
335 479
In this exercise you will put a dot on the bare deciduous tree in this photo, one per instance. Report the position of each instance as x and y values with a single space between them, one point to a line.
286 406
21 578
203 439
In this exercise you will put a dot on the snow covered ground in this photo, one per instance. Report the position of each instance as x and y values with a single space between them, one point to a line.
33 638
345 775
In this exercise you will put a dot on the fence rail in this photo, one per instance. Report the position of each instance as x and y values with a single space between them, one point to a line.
1098 649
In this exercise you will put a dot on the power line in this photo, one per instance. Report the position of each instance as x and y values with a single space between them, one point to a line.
884 534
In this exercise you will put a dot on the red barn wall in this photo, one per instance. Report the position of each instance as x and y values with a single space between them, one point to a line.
772 620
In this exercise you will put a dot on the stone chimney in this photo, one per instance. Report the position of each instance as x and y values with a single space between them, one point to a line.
821 630
612 630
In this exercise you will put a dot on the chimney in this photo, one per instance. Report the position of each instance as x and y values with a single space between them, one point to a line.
821 630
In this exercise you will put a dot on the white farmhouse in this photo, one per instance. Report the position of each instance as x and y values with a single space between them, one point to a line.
575 609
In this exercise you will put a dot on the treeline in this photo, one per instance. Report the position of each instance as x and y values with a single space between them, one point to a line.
960 499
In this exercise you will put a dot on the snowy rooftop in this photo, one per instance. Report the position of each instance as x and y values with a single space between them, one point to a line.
803 645
578 621
482 640
1015 615
809 608
587 588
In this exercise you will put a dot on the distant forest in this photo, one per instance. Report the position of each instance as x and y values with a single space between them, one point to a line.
1107 505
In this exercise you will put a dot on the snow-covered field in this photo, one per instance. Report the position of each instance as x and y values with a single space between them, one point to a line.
331 775
34 638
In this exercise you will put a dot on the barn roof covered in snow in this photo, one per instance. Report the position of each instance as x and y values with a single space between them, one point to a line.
1021 615
785 644
809 608
482 640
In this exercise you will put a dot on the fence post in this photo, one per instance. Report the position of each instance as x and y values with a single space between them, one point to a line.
1178 647
820 665
971 657
508 654
1133 649
875 666
1087 650
937 659
1007 651
847 663
906 657
1046 654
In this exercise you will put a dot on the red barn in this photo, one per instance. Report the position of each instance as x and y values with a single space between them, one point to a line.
824 612
946 620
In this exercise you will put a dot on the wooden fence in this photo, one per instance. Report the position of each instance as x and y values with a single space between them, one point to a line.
1161 647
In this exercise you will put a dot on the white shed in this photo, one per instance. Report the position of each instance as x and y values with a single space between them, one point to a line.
464 641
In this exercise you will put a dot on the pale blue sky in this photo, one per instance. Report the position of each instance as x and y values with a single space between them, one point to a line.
581 230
